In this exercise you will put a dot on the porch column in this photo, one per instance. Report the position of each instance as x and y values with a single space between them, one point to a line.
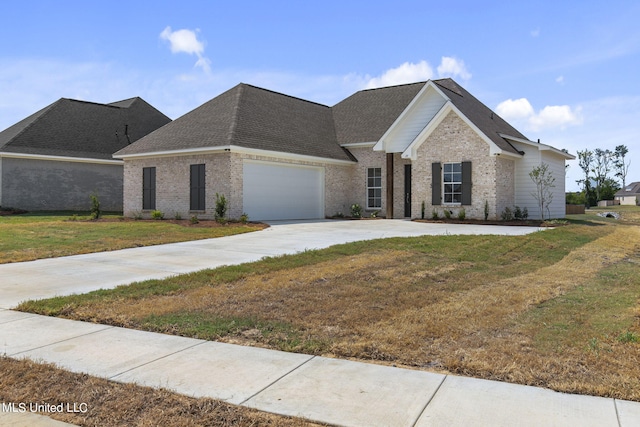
389 185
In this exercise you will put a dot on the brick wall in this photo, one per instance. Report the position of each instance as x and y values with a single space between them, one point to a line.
454 141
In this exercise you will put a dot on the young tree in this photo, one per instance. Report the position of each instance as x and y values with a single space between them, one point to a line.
544 181
585 160
620 165
601 168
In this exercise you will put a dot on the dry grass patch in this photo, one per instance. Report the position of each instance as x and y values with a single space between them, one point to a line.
115 404
533 309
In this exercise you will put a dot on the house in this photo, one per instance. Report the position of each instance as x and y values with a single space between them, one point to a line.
390 150
55 158
629 195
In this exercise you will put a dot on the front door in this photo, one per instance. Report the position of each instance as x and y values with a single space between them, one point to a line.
407 190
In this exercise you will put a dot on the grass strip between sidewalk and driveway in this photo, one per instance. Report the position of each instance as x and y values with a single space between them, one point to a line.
40 235
557 308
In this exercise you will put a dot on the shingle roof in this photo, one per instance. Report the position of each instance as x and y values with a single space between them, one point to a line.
482 116
366 115
250 117
632 189
72 128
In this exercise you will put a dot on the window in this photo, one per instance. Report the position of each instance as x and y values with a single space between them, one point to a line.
452 180
197 188
451 183
374 188
148 188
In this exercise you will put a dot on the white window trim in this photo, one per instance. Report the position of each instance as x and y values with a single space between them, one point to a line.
444 183
373 188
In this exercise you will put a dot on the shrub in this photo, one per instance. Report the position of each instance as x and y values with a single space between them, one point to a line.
374 214
462 214
96 213
434 214
177 216
525 213
356 211
194 219
137 215
221 208
447 213
158 215
339 215
244 218
422 210
507 214
486 210
517 213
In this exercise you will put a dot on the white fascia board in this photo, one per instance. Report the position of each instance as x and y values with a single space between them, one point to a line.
539 145
359 144
380 144
234 149
60 158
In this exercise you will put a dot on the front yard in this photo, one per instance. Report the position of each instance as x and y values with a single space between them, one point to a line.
557 308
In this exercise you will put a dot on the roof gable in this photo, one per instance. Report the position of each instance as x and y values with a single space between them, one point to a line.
632 189
72 128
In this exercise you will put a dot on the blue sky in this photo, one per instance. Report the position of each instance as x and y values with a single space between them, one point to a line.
566 72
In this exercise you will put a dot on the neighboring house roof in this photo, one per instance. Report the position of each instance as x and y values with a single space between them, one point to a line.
80 129
632 189
249 117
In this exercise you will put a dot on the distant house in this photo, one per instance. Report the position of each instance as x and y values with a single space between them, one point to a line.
391 150
629 195
55 158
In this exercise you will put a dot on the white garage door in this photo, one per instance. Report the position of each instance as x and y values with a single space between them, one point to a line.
280 191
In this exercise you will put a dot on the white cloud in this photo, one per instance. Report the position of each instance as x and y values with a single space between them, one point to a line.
555 116
186 41
453 67
405 73
515 109
550 117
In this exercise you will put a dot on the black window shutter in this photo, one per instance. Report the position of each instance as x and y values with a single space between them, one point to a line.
149 188
466 183
436 184
197 192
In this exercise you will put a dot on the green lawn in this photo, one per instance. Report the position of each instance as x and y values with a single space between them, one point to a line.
39 235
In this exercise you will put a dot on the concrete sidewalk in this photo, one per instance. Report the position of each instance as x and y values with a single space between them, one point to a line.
328 390
332 391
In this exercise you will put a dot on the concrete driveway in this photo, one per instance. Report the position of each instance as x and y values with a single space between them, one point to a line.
84 273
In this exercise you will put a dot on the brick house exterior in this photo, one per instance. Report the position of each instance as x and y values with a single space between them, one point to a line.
278 157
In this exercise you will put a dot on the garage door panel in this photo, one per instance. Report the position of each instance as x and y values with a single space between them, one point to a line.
279 191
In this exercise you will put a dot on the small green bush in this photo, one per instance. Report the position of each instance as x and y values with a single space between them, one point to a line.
137 215
244 218
374 214
486 210
447 213
339 215
96 213
507 214
177 216
462 214
434 214
157 215
194 219
221 208
356 211
627 337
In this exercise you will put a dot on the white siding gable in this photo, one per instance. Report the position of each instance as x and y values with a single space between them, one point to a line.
525 187
413 121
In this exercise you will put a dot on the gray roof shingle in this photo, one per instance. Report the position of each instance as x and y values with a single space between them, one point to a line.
72 128
632 189
250 117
